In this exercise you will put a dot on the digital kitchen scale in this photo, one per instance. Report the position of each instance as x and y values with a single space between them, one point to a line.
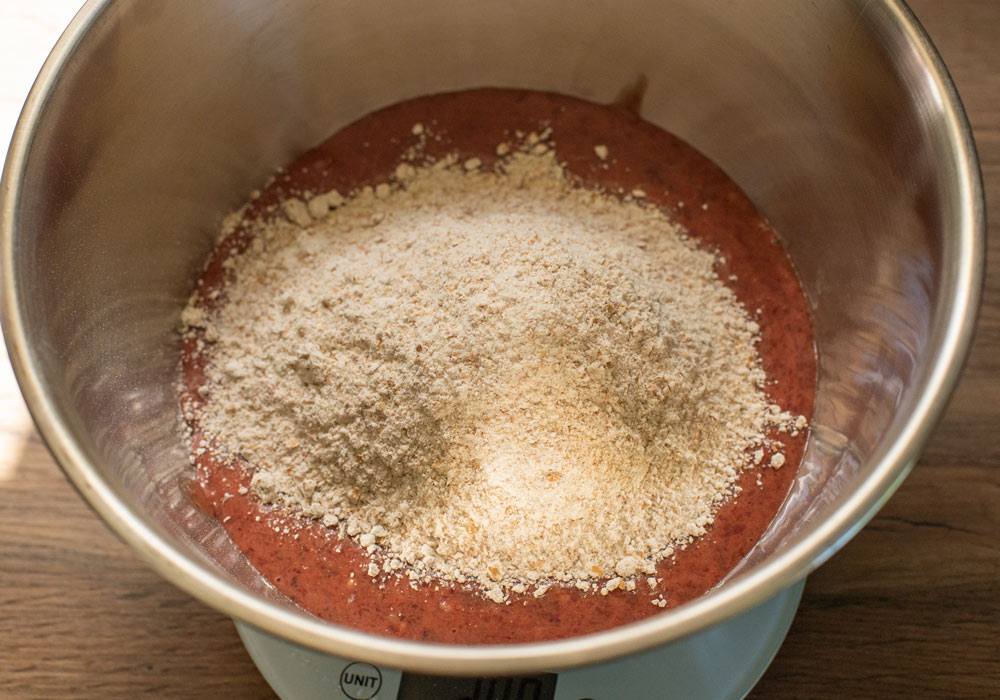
720 663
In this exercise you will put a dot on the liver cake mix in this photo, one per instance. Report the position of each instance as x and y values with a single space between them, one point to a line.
496 366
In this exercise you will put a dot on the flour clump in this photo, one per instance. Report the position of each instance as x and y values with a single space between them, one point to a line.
488 375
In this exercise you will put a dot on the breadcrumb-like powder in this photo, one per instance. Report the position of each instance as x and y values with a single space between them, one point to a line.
496 377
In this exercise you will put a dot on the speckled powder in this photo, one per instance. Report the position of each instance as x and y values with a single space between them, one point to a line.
487 376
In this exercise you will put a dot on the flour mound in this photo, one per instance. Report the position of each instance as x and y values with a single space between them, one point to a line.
487 376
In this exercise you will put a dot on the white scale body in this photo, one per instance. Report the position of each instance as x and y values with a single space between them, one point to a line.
723 662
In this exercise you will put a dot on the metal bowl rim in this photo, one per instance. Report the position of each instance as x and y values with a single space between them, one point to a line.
892 463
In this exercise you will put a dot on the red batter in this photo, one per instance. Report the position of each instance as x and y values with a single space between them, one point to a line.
326 574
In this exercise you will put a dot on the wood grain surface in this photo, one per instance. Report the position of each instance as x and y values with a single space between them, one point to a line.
909 609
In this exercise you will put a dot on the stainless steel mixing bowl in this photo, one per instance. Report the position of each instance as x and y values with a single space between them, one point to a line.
151 120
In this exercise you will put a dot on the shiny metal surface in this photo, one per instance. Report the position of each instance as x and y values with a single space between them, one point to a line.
150 121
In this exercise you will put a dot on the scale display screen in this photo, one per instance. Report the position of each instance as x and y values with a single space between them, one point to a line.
419 687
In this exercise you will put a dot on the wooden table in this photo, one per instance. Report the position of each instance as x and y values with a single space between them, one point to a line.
909 609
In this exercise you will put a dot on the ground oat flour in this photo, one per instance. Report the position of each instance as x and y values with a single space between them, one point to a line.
489 376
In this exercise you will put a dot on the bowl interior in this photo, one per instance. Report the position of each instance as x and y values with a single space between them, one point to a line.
153 120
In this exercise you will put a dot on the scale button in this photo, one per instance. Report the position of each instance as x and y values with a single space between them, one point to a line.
360 681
